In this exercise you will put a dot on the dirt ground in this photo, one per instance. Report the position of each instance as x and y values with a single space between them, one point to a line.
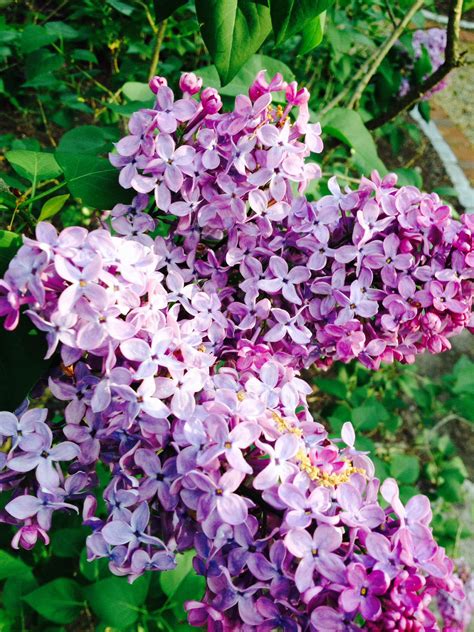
458 97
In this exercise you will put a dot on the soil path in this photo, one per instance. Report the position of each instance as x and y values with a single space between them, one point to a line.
452 110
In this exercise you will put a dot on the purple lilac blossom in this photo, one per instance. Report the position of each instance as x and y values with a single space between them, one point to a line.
433 41
179 358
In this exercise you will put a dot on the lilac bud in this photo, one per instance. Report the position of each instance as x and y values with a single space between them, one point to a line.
406 246
261 86
27 536
189 83
295 96
390 180
211 100
156 83
463 241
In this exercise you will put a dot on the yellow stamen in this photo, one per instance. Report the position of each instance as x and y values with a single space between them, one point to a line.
6 445
325 479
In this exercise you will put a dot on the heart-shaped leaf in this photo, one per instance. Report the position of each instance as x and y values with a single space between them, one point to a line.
232 30
294 16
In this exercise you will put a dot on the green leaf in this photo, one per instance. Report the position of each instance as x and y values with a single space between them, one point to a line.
365 444
171 580
7 622
43 62
93 180
182 584
34 37
331 386
424 109
94 570
463 405
445 191
135 91
12 566
63 30
407 492
8 36
341 412
22 350
347 126
60 601
39 71
116 602
464 373
26 143
82 54
369 415
409 177
312 34
423 65
46 80
393 423
165 8
68 542
293 16
405 468
381 469
121 7
127 109
450 490
21 362
52 206
85 139
232 30
9 244
33 165
14 589
241 82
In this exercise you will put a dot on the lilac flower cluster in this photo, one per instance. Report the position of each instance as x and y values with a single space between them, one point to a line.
180 360
434 42
457 615
379 273
286 524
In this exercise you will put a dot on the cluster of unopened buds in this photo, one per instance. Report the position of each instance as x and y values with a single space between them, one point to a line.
433 41
180 368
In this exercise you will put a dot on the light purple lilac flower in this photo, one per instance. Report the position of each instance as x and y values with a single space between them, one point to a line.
178 360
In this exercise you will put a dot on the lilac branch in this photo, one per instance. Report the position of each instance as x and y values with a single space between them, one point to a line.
453 59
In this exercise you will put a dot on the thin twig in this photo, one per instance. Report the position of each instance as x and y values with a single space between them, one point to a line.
390 13
313 77
89 76
56 10
418 154
95 82
445 420
149 17
382 53
453 59
42 195
343 93
45 122
327 174
156 53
